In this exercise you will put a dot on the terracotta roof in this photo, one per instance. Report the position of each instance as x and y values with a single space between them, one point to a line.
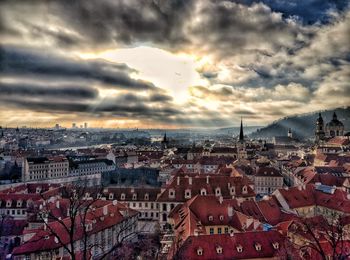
209 183
253 245
44 240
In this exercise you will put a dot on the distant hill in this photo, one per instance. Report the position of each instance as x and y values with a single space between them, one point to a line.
303 126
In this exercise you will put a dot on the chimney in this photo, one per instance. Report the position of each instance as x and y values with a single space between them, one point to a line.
57 204
207 179
221 199
190 180
178 180
105 210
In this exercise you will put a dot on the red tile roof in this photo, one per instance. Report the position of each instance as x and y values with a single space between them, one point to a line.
249 242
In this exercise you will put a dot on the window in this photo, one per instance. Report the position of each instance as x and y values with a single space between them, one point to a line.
221 217
171 193
217 191
219 230
199 251
275 245
164 206
210 218
257 247
244 190
122 196
134 196
226 230
203 192
239 249
187 194
146 196
211 231
111 195
219 249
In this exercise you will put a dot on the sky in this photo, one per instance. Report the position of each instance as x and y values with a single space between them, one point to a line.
171 63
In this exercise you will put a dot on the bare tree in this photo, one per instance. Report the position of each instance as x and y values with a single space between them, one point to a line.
70 217
324 237
74 216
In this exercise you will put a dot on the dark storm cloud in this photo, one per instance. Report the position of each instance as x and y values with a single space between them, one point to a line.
308 11
46 91
106 22
44 105
17 61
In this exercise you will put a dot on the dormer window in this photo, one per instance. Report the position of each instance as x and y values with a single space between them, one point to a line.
88 227
210 218
19 203
171 193
122 196
134 196
219 249
244 189
203 192
218 191
146 196
232 191
257 247
99 196
239 248
111 196
8 203
275 245
187 194
38 189
221 217
200 251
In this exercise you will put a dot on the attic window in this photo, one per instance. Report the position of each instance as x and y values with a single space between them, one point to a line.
19 203
232 190
99 196
203 192
187 194
146 196
257 247
239 248
275 245
217 191
172 193
200 251
88 227
122 196
221 217
244 189
8 203
38 189
210 218
134 196
111 195
219 249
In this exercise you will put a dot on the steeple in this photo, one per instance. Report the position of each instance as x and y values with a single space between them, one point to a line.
241 135
335 116
164 138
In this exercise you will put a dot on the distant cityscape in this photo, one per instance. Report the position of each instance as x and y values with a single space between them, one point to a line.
265 198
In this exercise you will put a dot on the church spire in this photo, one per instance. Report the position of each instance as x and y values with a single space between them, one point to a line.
241 135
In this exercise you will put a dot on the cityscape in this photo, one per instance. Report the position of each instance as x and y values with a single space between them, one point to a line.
174 130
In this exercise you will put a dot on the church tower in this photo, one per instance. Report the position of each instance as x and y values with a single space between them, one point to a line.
319 133
241 151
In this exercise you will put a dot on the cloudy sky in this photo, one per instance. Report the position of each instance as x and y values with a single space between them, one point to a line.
171 63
